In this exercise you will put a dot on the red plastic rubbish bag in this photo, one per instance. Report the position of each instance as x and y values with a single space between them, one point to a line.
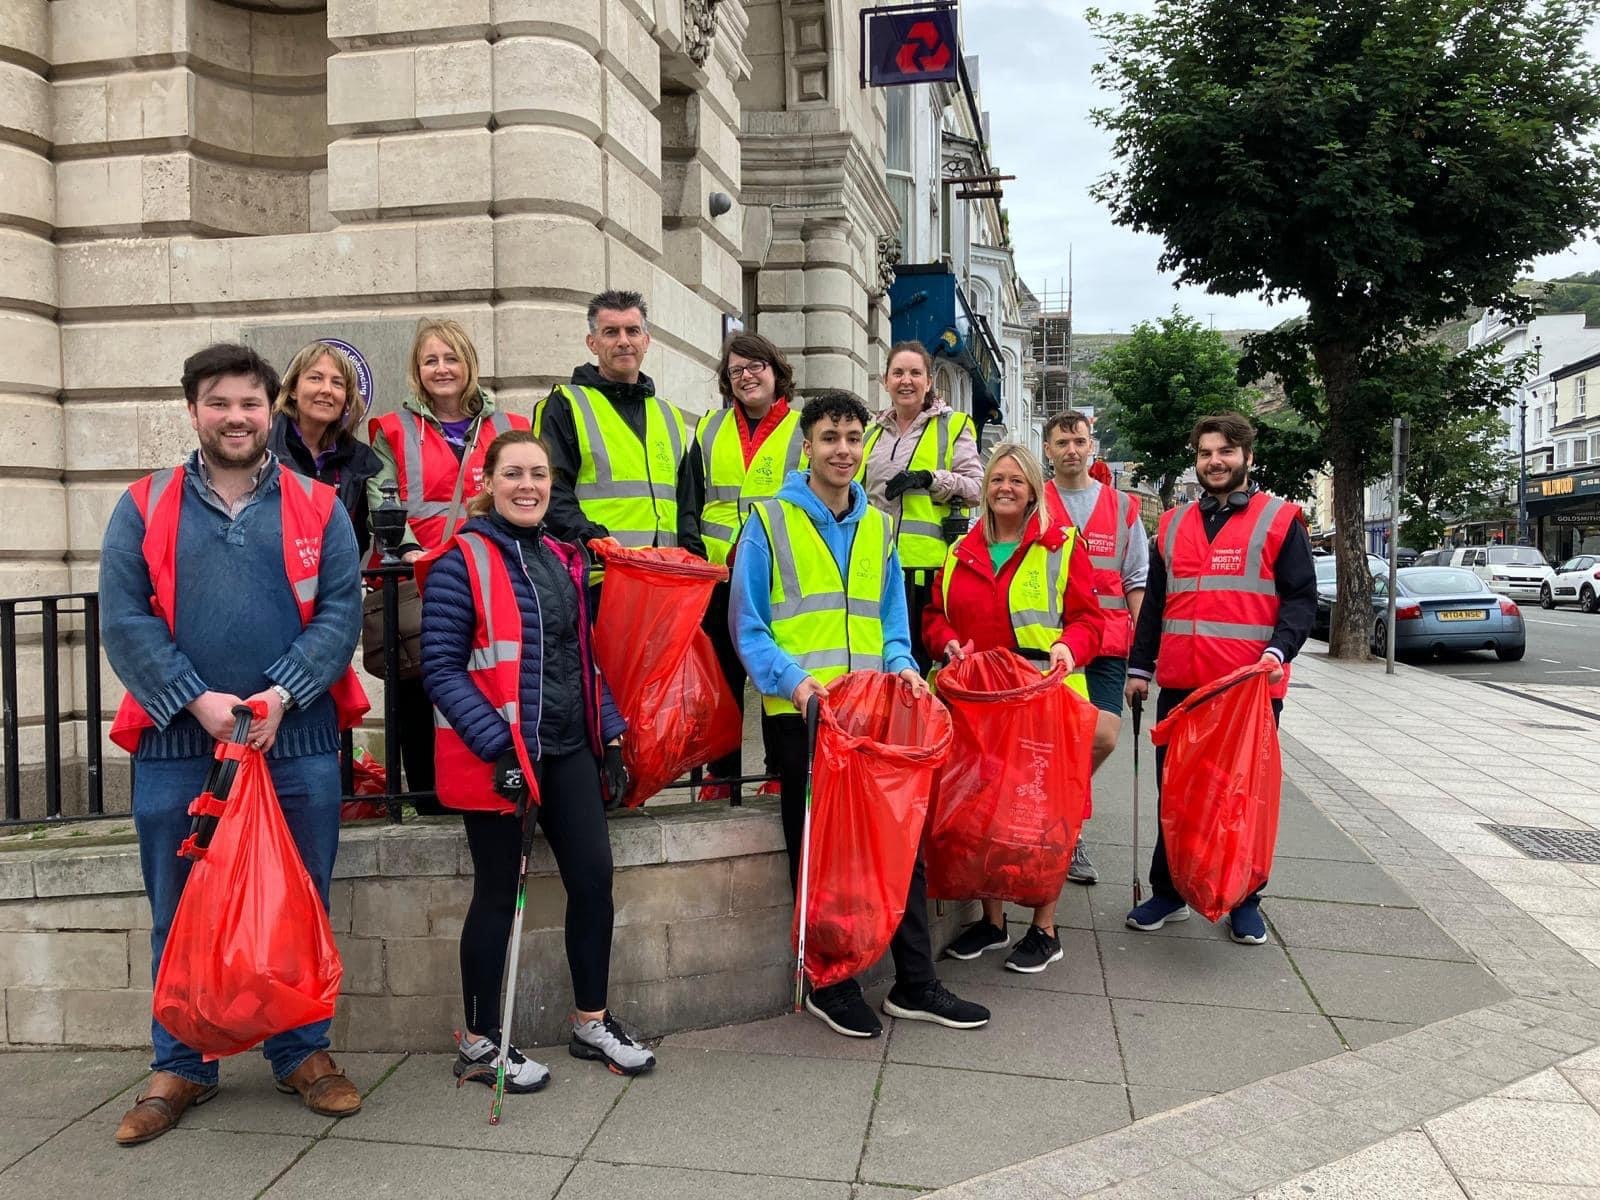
250 953
1220 787
368 778
660 665
1011 798
877 750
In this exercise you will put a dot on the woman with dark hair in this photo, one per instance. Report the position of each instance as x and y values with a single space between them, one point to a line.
741 453
434 452
318 410
921 466
508 663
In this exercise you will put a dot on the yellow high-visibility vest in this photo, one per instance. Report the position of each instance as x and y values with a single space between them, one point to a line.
920 535
731 487
827 622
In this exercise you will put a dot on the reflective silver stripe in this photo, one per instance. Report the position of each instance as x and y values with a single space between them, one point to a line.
1170 542
306 590
1220 629
1123 504
818 660
724 492
626 491
1257 544
605 485
708 434
598 454
158 487
1238 583
411 448
802 606
1113 601
637 539
783 554
439 721
1035 616
1190 583
1101 562
484 657
921 528
726 533
795 451
1250 580
670 419
428 508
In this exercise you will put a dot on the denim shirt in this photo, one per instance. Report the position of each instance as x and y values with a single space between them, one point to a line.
237 626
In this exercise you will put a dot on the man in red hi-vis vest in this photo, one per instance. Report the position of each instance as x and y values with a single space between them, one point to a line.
1231 583
224 581
1119 559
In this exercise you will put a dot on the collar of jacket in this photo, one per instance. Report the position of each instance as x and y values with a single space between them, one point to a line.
414 404
973 548
588 375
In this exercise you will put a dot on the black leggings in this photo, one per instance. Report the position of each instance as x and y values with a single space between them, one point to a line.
573 818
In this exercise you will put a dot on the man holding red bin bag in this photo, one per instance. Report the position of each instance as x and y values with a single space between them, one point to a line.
1231 584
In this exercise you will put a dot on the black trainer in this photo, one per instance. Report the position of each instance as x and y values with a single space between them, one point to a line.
843 1009
932 1001
1035 951
978 937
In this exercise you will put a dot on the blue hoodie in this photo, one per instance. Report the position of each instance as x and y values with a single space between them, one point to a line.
750 606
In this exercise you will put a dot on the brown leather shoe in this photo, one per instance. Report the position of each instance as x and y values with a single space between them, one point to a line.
164 1100
323 1086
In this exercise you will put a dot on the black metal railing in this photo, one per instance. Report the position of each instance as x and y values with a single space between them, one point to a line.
88 791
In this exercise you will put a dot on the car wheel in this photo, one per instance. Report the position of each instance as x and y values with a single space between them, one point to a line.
1511 653
1380 638
1588 601
1546 600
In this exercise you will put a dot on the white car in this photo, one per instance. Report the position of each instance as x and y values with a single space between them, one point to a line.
1576 581
1516 571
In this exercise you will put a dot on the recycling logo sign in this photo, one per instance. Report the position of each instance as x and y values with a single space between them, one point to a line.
912 45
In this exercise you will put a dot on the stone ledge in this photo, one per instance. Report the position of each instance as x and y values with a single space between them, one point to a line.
701 935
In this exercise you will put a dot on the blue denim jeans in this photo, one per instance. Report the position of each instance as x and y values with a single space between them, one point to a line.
308 794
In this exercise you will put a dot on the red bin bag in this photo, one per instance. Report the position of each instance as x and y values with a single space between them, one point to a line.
1220 788
659 663
369 778
1012 795
250 953
877 750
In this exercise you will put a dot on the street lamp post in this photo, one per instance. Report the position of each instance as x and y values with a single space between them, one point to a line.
1522 482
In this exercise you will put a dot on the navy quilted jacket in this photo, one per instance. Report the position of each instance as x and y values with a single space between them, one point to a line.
448 620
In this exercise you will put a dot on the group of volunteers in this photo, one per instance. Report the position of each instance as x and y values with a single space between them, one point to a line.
854 542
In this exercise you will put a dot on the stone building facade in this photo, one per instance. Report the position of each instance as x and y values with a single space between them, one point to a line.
174 172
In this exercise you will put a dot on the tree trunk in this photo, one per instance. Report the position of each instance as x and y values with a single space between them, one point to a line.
1350 631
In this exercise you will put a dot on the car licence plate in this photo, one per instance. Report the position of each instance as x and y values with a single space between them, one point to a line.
1464 614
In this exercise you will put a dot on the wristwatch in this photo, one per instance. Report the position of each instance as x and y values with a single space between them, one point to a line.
285 695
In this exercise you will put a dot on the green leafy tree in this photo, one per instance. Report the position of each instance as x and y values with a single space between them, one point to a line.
1391 163
1163 379
1459 469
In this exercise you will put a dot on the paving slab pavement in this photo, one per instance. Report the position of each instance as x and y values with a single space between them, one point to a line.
1416 965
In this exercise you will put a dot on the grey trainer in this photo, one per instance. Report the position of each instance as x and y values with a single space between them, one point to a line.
606 1041
1082 870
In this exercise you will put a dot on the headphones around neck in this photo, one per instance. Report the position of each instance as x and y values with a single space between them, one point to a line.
1235 500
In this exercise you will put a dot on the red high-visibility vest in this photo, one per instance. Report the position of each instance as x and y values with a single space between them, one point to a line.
426 467
1114 520
306 507
1222 597
462 779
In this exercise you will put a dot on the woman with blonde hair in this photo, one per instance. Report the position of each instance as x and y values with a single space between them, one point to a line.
434 452
983 599
318 411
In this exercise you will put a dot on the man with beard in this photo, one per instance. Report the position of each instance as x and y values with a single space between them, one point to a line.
230 581
617 450
1231 582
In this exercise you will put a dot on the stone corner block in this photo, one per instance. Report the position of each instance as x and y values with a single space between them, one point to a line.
88 872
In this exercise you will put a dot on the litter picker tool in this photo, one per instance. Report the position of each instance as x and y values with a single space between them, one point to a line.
812 709
209 805
1138 712
527 815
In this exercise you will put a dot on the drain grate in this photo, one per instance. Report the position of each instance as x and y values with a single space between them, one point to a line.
1555 845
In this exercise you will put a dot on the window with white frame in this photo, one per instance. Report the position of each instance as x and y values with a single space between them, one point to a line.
1594 447
898 165
1561 455
1580 395
1580 452
1538 424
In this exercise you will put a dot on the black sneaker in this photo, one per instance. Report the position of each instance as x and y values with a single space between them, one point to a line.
932 1001
843 1009
978 937
1035 951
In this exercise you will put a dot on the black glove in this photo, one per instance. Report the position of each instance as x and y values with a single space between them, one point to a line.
509 780
908 481
615 777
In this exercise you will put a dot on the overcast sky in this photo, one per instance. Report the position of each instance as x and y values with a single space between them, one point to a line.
1034 82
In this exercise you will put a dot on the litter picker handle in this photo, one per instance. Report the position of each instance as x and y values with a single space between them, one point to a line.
813 712
207 807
